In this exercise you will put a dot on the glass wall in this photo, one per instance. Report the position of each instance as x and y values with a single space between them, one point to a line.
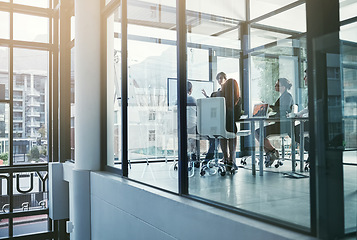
152 107
348 48
255 48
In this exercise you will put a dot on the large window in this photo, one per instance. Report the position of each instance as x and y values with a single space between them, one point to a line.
256 45
25 77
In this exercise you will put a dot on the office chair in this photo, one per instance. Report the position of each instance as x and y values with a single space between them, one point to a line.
211 122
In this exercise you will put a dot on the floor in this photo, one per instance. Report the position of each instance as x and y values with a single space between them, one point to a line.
275 194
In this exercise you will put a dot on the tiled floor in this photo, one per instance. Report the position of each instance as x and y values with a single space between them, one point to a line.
273 194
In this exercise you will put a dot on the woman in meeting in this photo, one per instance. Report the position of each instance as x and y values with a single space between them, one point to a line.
281 107
230 91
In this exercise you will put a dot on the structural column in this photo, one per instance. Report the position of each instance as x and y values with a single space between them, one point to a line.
326 175
87 113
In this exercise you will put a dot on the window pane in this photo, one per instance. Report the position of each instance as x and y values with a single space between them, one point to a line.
4 134
4 228
349 116
347 9
30 28
349 33
4 25
4 73
30 106
230 9
152 125
35 3
293 19
32 224
4 202
114 82
261 7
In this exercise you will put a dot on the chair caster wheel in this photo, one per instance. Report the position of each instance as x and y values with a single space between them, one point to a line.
202 173
223 173
281 163
277 165
197 164
175 167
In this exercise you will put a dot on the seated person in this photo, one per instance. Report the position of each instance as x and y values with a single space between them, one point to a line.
282 107
303 113
230 91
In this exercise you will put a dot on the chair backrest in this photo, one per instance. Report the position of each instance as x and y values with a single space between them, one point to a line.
211 116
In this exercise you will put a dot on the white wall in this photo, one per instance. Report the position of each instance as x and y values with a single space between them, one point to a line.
122 209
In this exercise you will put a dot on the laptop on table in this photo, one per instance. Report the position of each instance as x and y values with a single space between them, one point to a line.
260 110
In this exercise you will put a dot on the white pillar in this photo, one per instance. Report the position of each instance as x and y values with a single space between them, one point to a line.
87 115
87 84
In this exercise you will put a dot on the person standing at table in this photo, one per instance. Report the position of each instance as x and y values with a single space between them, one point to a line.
281 107
221 77
191 121
230 91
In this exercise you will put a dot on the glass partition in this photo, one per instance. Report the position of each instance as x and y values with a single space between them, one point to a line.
349 120
152 71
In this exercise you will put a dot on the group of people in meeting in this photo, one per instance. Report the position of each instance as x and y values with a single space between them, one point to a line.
229 89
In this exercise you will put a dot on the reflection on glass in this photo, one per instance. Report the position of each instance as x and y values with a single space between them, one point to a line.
34 3
114 82
4 73
30 225
4 228
30 99
349 94
4 25
31 28
4 134
261 37
152 130
293 19
261 7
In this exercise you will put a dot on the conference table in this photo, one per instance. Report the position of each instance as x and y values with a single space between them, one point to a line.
260 123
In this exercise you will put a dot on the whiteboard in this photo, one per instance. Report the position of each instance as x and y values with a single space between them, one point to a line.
197 86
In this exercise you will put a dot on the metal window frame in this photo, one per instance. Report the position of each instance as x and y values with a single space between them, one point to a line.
51 49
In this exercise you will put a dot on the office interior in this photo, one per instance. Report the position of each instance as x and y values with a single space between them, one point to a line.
93 119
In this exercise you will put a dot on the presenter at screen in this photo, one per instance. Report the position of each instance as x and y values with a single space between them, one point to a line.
221 78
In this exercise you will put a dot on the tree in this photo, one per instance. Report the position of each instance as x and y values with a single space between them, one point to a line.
34 154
